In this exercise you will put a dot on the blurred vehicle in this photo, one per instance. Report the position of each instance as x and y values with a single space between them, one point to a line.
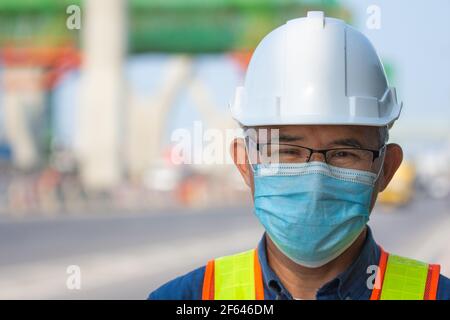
433 172
162 178
401 188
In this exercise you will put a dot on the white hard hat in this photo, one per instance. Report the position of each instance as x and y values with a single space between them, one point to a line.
315 70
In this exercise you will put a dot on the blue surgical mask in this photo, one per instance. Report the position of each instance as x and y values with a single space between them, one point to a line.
312 211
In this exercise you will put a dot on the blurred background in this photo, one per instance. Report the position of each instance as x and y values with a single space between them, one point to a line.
92 91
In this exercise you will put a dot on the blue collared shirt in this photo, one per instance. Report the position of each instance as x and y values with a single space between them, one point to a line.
350 284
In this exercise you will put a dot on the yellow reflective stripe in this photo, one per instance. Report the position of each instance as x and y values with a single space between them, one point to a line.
404 279
234 277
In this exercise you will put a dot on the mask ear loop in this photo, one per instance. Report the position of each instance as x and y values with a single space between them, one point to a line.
383 154
247 150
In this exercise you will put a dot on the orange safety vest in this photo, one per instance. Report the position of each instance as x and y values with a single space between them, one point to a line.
239 277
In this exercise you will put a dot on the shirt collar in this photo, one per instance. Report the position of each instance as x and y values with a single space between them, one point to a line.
270 279
350 284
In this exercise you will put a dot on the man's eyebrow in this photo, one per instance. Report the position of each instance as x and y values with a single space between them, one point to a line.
288 138
351 142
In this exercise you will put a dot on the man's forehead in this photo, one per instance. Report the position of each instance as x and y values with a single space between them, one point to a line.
305 129
365 134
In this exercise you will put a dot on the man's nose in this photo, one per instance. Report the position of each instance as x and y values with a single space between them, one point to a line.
317 156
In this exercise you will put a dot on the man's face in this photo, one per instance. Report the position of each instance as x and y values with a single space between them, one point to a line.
327 137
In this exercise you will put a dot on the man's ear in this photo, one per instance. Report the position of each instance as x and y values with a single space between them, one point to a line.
392 161
240 159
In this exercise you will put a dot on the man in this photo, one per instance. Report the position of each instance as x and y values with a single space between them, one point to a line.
316 87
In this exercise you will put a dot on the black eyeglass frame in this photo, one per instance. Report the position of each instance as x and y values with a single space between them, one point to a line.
375 153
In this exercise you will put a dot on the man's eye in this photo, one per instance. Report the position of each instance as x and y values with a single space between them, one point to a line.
289 152
344 154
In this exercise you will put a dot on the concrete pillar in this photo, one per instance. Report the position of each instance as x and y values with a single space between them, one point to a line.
147 120
102 95
24 114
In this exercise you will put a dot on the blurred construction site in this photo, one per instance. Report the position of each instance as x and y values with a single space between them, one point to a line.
87 106
92 91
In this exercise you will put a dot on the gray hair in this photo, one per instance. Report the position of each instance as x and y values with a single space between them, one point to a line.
383 135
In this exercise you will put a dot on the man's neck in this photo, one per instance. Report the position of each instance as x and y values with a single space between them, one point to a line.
303 282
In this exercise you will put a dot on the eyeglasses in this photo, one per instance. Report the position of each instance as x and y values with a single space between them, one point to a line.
348 157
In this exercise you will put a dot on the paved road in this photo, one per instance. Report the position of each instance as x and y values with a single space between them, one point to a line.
126 256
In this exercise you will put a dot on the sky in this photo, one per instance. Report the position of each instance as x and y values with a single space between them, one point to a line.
414 37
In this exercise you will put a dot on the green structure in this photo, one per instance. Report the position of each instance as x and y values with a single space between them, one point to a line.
191 26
